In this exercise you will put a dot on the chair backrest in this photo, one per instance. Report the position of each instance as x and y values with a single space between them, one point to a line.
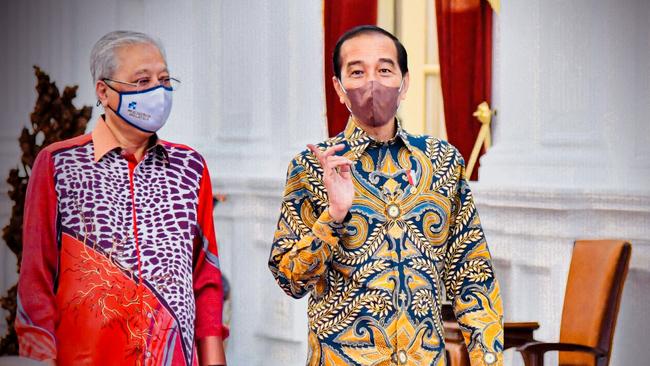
593 295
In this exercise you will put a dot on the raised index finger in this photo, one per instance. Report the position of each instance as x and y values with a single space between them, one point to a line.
332 150
316 151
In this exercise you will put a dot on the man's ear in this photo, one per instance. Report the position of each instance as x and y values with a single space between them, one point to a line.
101 91
339 89
405 86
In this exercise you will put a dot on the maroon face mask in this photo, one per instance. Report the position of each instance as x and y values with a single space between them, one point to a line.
373 103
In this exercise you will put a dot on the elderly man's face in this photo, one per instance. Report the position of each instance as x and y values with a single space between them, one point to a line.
137 63
369 57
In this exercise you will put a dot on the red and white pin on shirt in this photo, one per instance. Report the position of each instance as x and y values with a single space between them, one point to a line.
410 174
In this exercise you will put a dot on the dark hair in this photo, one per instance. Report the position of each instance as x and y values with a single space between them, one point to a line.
402 58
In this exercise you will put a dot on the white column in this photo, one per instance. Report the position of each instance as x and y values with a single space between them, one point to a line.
571 85
271 104
571 155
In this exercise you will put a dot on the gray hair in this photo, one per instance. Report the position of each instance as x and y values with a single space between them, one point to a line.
102 58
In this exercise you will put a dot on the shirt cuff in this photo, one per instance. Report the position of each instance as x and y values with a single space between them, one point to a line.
35 343
328 230
221 331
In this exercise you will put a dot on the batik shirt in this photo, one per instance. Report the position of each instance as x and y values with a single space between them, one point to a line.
377 280
120 261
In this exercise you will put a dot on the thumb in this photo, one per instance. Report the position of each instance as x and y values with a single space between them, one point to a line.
345 172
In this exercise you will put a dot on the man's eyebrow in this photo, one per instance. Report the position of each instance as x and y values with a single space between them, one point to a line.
146 71
387 60
141 72
353 63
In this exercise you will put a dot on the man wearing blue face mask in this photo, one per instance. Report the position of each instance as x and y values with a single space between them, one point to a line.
120 263
378 225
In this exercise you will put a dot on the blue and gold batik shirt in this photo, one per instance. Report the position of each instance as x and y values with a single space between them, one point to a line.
376 281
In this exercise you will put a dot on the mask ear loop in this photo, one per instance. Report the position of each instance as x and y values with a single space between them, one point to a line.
346 93
399 92
110 87
108 106
342 87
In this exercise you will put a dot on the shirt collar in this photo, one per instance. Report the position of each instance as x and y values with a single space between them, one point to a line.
358 139
104 141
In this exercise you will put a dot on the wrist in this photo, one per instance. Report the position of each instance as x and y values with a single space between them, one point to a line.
337 214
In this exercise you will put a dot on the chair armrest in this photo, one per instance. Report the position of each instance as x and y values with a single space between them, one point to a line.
518 333
528 326
543 347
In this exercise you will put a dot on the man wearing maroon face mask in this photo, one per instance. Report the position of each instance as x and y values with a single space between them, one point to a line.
378 225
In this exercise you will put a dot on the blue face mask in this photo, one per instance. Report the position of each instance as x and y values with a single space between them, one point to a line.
146 110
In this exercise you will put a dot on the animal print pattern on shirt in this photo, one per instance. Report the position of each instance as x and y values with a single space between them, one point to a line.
95 206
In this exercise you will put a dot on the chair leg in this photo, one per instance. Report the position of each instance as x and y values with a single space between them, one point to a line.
602 361
533 359
458 355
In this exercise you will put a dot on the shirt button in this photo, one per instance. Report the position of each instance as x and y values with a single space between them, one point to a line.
402 357
148 354
489 358
393 211
149 315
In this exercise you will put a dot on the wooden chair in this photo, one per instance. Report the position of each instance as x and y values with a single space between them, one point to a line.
591 303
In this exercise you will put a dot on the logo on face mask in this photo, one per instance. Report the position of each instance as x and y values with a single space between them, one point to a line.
373 103
145 110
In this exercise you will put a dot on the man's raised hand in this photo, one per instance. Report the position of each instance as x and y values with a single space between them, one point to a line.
337 179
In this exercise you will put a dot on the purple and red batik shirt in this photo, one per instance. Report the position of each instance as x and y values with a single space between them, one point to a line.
120 261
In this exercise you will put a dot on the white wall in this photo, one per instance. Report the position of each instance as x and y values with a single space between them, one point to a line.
272 104
571 155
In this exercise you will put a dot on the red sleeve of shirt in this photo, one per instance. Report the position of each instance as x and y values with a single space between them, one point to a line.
208 286
36 315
